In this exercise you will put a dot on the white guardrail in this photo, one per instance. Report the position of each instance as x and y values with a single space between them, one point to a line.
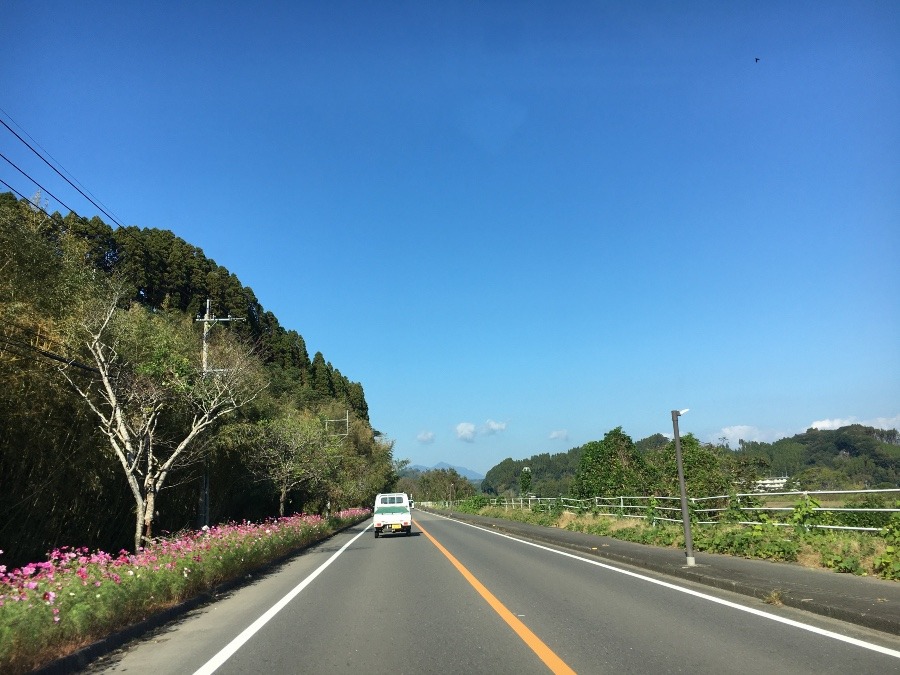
669 508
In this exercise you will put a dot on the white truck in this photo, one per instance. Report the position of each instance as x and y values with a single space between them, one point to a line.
391 514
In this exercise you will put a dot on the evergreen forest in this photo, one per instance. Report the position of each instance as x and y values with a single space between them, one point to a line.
124 415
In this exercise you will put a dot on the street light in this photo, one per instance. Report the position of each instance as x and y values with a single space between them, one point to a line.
685 515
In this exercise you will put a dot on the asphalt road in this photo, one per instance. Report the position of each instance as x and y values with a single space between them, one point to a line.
456 598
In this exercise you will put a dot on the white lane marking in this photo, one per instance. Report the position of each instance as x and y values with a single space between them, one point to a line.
228 650
704 596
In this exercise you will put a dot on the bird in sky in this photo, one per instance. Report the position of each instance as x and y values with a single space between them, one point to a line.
757 59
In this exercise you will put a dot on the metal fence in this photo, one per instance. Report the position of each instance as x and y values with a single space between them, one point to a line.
710 510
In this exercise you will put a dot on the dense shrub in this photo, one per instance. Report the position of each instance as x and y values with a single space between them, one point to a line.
870 519
888 563
849 552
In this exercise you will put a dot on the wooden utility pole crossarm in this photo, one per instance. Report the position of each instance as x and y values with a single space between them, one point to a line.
209 320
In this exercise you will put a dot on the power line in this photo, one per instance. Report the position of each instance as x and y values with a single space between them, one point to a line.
28 338
43 352
36 183
104 211
37 206
21 196
47 153
35 333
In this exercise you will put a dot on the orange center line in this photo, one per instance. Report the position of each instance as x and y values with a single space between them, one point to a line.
544 653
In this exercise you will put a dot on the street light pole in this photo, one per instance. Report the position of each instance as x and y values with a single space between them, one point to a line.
685 514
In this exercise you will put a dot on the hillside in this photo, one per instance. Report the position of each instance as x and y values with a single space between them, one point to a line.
101 379
552 475
850 457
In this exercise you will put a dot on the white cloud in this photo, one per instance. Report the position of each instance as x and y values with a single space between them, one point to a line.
465 431
491 427
838 422
884 422
425 437
559 435
750 433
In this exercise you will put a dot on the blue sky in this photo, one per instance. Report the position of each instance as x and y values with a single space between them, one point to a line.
517 224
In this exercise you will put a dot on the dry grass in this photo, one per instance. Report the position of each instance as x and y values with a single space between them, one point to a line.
809 558
774 598
614 524
824 501
566 518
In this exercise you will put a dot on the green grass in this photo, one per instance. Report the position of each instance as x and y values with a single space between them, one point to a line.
850 552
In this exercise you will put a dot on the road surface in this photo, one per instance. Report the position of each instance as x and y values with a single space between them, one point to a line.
453 597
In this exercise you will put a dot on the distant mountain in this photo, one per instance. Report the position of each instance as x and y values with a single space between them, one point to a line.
461 470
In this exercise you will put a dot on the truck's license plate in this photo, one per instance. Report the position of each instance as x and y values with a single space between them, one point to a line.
395 526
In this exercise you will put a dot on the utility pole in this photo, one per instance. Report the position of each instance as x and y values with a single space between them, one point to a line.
345 421
209 320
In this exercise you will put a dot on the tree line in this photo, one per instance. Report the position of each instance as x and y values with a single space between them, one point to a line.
111 430
852 457
433 485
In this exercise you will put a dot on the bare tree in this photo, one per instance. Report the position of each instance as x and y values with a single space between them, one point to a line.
144 376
